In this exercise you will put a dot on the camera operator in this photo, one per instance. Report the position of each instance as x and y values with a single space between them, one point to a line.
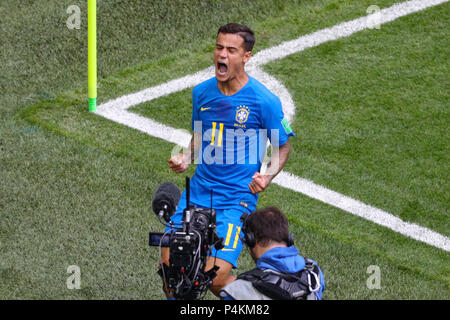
280 273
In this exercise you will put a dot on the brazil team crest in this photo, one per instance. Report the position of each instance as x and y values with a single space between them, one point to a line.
242 113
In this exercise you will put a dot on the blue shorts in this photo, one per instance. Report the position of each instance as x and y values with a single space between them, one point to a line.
229 228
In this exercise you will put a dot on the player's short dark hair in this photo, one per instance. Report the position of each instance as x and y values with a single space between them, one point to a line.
245 32
268 224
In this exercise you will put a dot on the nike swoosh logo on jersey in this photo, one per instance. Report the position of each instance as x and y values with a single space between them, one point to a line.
203 109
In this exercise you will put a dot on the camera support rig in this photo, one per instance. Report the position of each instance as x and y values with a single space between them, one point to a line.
190 244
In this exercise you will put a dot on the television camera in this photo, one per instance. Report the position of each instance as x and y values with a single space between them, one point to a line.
190 242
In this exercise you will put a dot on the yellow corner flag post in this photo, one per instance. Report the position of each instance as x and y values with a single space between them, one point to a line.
92 54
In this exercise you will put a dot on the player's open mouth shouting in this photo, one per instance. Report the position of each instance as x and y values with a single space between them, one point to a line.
222 68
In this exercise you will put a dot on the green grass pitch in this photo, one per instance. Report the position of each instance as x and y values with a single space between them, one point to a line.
371 123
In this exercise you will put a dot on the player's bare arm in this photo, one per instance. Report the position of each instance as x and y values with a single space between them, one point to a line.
277 161
180 162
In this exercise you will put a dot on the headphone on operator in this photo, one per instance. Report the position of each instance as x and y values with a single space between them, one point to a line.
249 238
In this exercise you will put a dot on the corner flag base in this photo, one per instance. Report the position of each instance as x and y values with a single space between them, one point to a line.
92 104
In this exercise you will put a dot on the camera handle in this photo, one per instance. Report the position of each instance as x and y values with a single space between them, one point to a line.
218 241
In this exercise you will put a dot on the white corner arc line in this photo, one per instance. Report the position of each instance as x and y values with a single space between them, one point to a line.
116 110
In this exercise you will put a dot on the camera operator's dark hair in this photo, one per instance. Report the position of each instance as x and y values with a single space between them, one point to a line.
245 32
268 224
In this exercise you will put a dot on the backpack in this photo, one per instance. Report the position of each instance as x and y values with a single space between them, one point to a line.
282 286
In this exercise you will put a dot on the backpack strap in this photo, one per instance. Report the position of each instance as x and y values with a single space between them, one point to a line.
313 275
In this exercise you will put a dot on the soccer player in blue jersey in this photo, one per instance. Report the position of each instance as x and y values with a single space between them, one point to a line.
233 115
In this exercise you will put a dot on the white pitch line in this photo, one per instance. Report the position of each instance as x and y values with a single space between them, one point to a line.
117 110
343 30
383 218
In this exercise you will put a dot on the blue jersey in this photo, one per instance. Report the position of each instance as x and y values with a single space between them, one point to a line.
235 130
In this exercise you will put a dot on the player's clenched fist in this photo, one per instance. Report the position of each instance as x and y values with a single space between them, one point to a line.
259 183
179 163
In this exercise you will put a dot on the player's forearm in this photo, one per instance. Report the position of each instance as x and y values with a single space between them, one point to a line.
278 160
191 153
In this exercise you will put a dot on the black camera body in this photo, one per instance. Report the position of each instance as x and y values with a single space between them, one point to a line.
190 244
